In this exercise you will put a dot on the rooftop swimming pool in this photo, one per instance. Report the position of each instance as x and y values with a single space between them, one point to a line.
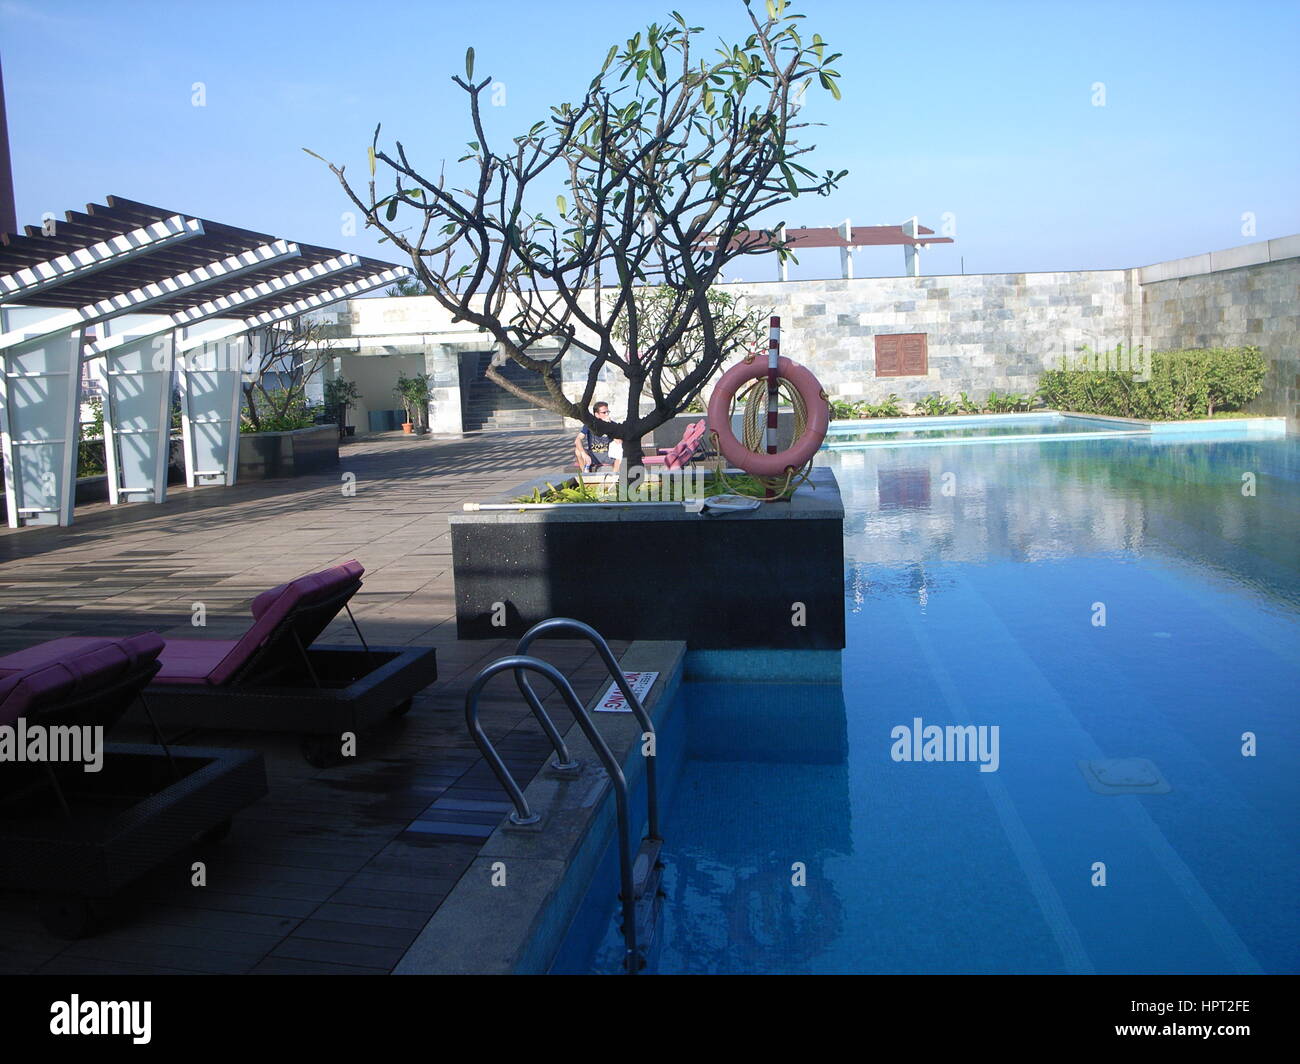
1117 620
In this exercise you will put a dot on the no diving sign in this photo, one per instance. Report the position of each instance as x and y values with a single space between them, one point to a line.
614 702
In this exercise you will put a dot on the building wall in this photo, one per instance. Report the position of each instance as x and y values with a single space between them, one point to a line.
376 376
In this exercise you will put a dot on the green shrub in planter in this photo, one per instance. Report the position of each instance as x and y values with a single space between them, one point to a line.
1234 376
1182 384
935 406
91 460
889 408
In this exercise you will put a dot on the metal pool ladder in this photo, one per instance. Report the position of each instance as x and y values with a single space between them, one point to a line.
640 893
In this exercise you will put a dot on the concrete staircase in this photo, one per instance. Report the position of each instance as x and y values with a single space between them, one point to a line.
491 408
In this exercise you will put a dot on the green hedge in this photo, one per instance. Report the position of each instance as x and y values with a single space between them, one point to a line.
1182 384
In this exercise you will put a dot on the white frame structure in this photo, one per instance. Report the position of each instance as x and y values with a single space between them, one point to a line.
39 408
28 282
41 360
148 362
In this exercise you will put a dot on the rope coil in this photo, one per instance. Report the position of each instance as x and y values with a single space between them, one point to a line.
754 436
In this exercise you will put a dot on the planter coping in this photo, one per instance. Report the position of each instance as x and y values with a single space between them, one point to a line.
817 500
288 432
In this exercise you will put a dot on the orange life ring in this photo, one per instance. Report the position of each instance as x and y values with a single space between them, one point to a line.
795 456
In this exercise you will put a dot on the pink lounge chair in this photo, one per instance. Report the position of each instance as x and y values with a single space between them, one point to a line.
275 678
79 837
679 456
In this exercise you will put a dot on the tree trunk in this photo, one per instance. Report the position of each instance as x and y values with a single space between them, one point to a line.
633 455
253 420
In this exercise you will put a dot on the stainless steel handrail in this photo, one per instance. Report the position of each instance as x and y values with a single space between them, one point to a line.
556 624
523 815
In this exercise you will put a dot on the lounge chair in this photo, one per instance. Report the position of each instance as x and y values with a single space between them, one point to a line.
276 678
688 449
79 837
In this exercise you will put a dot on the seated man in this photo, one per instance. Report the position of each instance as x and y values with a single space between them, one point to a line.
594 452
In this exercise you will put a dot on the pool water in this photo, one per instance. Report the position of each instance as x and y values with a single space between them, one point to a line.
973 429
977 583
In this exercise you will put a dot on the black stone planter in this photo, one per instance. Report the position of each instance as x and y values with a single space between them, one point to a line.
724 581
267 455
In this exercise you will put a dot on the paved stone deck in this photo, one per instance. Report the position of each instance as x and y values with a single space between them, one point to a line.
336 870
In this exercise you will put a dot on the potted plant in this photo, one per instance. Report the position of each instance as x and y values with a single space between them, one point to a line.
341 393
414 393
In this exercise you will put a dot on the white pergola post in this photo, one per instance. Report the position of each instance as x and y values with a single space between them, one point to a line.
137 417
846 253
40 393
912 252
209 377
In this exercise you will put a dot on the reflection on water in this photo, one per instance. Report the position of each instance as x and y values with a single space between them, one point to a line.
1181 502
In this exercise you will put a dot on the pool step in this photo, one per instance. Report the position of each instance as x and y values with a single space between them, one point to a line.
647 877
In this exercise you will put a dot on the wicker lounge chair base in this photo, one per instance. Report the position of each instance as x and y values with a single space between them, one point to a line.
142 809
358 689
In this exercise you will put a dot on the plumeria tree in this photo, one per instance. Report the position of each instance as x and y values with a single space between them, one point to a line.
664 168
737 330
287 355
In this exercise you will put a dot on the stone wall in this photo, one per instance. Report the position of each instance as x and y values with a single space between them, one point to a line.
1257 305
985 332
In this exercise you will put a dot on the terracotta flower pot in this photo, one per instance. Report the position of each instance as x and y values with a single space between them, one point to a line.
408 427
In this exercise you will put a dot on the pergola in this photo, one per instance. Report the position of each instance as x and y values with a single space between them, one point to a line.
175 302
912 236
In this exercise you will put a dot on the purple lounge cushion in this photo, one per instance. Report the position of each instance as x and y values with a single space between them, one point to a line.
147 645
264 601
192 660
71 666
7 684
44 653
217 661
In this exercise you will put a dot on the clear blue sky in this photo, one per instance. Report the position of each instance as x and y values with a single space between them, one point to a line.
981 110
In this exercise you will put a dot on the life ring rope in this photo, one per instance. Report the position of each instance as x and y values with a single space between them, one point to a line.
811 415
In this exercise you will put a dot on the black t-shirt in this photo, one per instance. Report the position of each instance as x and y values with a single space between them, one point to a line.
594 445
